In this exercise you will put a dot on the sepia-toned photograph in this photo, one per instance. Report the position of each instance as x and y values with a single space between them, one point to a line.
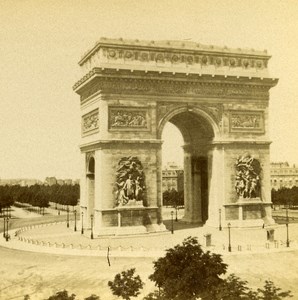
149 150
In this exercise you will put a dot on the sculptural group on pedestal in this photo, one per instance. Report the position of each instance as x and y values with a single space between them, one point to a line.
248 171
130 187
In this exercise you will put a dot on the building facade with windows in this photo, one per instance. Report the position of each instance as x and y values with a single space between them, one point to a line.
172 177
283 175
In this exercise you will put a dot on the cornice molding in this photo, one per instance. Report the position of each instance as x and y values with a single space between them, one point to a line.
241 142
103 144
172 76
155 83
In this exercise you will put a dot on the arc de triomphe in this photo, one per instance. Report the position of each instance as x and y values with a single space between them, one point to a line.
217 97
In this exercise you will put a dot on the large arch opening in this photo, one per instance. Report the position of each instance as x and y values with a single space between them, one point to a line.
193 157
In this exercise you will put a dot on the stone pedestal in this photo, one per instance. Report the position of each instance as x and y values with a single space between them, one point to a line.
128 220
247 213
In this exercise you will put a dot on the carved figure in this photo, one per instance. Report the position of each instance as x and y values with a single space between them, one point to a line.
130 181
247 181
118 120
129 187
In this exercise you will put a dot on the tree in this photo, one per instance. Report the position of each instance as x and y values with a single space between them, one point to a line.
126 284
187 272
92 297
62 295
232 288
156 295
173 197
271 292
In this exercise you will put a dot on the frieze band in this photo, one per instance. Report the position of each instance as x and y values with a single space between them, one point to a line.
176 88
189 59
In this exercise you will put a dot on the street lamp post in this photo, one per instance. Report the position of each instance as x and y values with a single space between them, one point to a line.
220 228
229 228
287 224
91 227
82 230
4 229
172 215
7 236
67 217
176 213
75 225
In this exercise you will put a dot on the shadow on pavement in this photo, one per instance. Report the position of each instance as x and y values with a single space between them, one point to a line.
179 225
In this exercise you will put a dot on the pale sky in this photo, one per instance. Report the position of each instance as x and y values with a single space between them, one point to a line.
42 41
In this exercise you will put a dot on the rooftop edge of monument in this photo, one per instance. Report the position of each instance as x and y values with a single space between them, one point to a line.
172 56
170 45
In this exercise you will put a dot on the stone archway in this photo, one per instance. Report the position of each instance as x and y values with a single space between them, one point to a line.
198 131
217 97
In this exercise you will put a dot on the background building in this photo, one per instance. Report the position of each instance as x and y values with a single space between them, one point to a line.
20 181
283 175
172 177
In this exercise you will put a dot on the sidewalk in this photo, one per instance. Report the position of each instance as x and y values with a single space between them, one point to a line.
56 238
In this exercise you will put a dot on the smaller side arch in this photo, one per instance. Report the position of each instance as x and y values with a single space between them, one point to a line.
90 164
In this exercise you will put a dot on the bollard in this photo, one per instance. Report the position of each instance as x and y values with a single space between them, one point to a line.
267 245
276 244
208 239
270 235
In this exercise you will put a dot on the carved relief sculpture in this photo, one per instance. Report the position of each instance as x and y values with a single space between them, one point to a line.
248 171
90 121
128 118
130 182
240 121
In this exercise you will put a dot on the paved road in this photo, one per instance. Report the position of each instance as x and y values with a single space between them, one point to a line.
41 275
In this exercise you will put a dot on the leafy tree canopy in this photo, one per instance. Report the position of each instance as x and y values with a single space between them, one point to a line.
62 295
126 284
187 272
